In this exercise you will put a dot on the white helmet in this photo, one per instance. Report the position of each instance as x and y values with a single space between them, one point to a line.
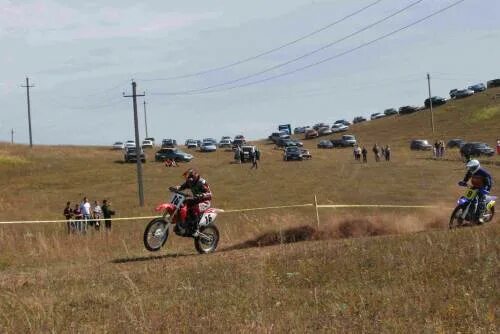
473 166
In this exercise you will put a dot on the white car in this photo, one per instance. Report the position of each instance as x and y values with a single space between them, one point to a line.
339 127
130 143
227 143
208 147
118 145
325 130
147 143
377 115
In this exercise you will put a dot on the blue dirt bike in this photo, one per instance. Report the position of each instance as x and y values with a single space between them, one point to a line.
465 212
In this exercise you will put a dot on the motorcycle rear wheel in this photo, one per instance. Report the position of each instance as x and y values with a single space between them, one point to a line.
155 234
208 239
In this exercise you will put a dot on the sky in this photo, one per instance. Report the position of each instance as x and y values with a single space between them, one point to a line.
83 55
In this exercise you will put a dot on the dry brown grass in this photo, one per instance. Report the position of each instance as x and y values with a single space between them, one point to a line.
362 270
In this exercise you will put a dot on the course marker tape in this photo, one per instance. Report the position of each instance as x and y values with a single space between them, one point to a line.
319 206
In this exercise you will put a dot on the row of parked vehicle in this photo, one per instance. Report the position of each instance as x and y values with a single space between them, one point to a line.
467 149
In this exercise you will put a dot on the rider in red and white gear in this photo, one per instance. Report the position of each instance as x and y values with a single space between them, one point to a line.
201 194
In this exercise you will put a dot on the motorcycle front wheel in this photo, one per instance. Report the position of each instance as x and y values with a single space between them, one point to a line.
207 240
489 214
155 234
455 219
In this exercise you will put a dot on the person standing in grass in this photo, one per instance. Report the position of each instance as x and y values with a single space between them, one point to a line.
68 214
86 210
364 152
376 152
97 213
255 156
387 153
498 146
107 213
77 214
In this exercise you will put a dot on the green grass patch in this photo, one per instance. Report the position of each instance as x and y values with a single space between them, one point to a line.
12 160
485 114
3 264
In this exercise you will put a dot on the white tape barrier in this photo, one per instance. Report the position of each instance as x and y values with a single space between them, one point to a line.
319 206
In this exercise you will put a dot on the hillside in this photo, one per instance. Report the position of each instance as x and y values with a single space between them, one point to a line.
362 270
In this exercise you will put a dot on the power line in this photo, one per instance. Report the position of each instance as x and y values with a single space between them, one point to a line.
305 55
328 58
239 62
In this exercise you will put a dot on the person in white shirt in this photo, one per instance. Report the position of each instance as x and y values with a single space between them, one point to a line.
97 215
86 210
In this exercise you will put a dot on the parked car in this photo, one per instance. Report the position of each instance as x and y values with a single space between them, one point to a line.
168 143
150 138
349 140
247 150
209 140
338 127
359 119
305 154
404 110
130 143
420 145
342 121
390 111
238 142
118 145
293 153
240 137
146 143
493 83
208 146
173 154
480 87
298 142
455 143
453 93
311 133
300 129
337 142
325 144
191 143
130 155
436 101
276 136
225 143
476 149
324 131
226 138
463 93
377 115
319 125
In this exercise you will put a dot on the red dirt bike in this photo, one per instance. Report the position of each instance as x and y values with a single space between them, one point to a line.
204 232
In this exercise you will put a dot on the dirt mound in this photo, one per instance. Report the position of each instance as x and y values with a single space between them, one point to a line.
353 227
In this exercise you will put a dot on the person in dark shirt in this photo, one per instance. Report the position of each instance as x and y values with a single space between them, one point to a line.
482 181
68 214
107 213
364 152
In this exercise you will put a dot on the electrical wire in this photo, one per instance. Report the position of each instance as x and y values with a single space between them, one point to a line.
305 55
302 68
265 53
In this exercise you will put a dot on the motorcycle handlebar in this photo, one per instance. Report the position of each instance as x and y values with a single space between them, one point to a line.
177 191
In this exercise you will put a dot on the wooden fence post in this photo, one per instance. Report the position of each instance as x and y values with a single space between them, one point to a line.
316 209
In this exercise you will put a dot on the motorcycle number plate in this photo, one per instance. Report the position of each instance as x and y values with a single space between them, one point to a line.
470 194
177 200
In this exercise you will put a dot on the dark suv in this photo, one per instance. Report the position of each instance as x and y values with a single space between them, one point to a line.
476 149
455 143
420 145
359 119
407 110
436 101
172 154
130 155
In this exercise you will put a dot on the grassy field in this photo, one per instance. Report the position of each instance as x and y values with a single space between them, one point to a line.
361 270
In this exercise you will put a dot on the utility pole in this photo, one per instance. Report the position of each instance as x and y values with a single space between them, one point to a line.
29 107
430 102
145 120
138 148
12 136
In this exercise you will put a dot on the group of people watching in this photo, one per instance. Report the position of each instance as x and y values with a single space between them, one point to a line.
378 151
83 214
253 156
438 149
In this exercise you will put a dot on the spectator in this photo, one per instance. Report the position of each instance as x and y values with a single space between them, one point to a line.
77 214
170 163
68 214
237 155
498 146
436 149
364 152
107 213
86 210
97 211
382 151
441 148
376 152
255 156
242 156
387 153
